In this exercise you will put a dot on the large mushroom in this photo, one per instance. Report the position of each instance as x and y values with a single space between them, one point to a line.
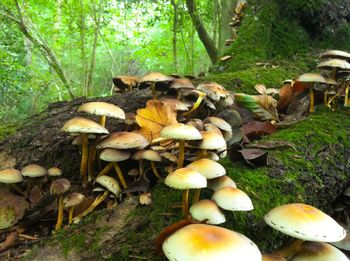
200 242
334 65
84 127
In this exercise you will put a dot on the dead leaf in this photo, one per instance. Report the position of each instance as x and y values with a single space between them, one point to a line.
254 157
154 118
271 144
260 88
255 129
10 240
287 94
140 185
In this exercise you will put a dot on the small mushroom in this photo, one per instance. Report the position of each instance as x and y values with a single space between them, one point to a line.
157 81
207 210
149 155
11 177
32 172
58 188
70 201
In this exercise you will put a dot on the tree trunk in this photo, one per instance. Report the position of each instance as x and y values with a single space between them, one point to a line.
207 41
175 23
226 14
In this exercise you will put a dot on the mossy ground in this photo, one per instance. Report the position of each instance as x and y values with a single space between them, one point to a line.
7 129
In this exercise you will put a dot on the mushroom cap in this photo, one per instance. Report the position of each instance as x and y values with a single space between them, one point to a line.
218 122
197 123
109 183
73 199
305 222
214 90
150 155
211 141
318 251
10 176
33 171
123 81
59 186
311 78
180 131
175 103
124 140
82 125
336 54
185 178
54 172
114 155
208 168
221 182
156 77
272 257
102 109
208 210
232 199
334 63
200 242
331 81
169 156
344 243
181 83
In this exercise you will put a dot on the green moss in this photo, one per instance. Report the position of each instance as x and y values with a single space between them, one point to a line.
7 129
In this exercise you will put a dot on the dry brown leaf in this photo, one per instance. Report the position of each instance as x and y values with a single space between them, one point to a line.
154 118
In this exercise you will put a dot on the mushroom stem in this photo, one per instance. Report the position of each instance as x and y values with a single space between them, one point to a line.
312 100
346 101
97 201
84 158
120 175
153 88
91 159
102 120
196 105
325 97
185 202
60 214
196 196
130 88
290 249
180 160
71 209
106 169
155 171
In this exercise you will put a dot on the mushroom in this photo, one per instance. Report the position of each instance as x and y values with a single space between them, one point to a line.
186 179
124 82
232 199
150 155
221 182
213 90
211 141
336 54
223 125
180 132
70 201
157 81
207 210
113 156
303 222
84 127
54 172
58 188
179 84
334 65
201 242
200 96
312 79
209 169
33 171
12 176
331 83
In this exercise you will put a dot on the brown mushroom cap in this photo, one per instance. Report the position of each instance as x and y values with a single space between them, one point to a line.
208 168
82 125
185 178
10 176
54 172
33 171
221 182
59 186
176 104
181 83
123 82
311 78
102 109
156 77
337 54
318 251
114 155
150 155
124 140
73 199
200 242
305 222
213 90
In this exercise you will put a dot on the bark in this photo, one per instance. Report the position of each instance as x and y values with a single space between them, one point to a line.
226 14
207 41
28 29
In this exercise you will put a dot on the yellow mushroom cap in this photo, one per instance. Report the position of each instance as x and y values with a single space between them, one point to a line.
114 155
208 210
200 242
334 63
180 131
232 199
221 182
33 171
156 77
336 54
10 176
272 257
73 199
311 77
214 90
82 125
176 104
318 251
124 140
54 172
305 222
109 183
208 168
185 178
102 109
211 141
150 155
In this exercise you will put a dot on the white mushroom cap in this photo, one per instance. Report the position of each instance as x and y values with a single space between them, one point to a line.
185 178
211 141
334 63
318 251
33 171
10 176
344 243
156 77
114 155
73 199
311 77
102 109
305 222
221 182
180 131
200 242
82 125
109 183
54 172
124 140
232 199
208 210
336 54
150 155
208 168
